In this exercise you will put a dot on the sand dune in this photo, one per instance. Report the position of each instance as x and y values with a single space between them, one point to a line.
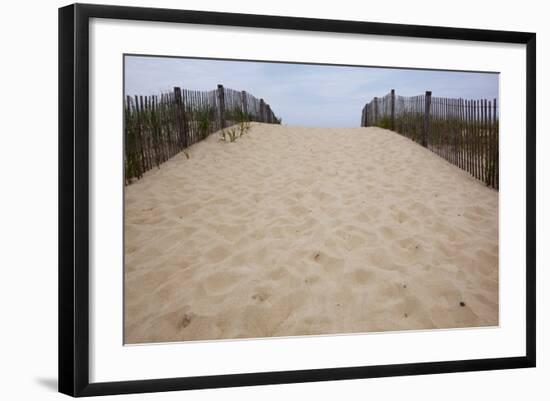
303 231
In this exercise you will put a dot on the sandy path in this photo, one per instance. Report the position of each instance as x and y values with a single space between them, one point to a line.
300 231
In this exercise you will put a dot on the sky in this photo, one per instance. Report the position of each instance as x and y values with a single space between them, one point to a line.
303 94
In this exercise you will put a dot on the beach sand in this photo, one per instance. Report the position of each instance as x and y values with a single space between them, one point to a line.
303 231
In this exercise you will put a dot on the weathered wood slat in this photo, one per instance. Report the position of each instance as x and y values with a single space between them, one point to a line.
157 127
462 131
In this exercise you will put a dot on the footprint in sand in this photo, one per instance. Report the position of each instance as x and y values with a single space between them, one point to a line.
476 210
185 320
186 209
312 279
278 273
217 254
363 217
221 282
329 263
363 276
298 211
388 232
402 217
447 231
380 258
260 297
229 232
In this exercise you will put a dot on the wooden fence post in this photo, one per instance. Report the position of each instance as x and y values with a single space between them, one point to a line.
245 103
262 110
427 105
393 109
268 112
496 142
221 98
375 111
180 117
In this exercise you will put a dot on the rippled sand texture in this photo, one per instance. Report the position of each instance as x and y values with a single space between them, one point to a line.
301 231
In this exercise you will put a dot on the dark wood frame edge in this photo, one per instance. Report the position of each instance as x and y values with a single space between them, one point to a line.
73 193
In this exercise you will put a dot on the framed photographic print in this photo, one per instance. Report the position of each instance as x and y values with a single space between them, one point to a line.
251 199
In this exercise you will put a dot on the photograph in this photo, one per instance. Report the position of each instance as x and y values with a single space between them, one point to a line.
275 198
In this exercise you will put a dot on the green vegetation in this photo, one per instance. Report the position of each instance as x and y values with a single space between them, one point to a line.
385 122
157 127
229 135
204 116
132 153
243 125
237 115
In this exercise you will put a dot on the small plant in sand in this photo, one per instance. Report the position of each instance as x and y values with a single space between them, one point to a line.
244 123
232 134
204 118
229 135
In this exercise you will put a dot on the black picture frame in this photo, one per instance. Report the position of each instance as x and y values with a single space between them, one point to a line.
74 192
